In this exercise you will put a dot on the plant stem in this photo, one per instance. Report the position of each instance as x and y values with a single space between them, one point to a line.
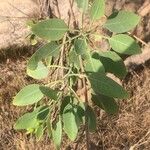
86 103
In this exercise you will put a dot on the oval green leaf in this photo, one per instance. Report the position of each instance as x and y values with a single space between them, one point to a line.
122 22
39 132
112 63
57 133
69 120
39 73
80 46
51 29
49 49
97 9
106 103
104 85
52 94
94 65
28 95
124 44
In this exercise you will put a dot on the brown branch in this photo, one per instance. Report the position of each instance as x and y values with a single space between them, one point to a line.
86 103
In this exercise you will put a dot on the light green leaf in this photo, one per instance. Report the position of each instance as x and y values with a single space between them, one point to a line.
112 63
97 9
40 72
91 119
80 46
28 95
51 29
104 85
52 94
122 22
27 121
83 4
106 103
94 65
124 44
69 120
39 132
49 49
57 133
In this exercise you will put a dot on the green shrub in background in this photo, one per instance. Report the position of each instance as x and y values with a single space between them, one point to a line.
77 67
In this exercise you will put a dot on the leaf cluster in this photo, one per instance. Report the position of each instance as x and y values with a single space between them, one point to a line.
60 104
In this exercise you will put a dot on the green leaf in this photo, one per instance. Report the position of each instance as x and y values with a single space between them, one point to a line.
106 103
83 4
64 103
40 72
50 93
104 85
124 44
97 9
94 65
57 133
69 120
112 63
91 119
28 95
27 121
49 49
43 113
80 46
51 29
39 132
122 22
74 58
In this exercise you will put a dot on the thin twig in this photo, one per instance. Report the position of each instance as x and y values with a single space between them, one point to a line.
58 10
140 40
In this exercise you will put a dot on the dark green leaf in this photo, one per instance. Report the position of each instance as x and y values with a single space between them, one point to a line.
106 103
97 9
122 22
28 95
64 103
49 49
91 119
69 120
52 94
40 72
104 85
57 133
124 44
43 113
83 4
112 63
51 29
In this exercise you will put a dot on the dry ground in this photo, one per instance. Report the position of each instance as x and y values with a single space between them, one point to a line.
129 130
